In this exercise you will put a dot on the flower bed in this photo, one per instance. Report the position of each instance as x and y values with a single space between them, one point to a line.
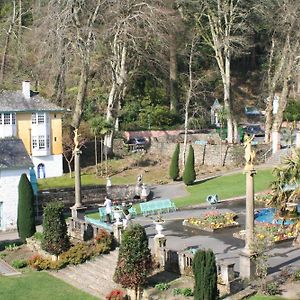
212 221
278 233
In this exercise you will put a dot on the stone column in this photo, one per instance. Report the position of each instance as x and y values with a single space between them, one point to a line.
159 250
78 210
247 266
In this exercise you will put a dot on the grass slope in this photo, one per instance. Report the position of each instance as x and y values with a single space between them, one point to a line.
37 286
225 187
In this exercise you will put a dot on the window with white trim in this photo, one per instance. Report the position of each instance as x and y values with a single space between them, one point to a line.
41 118
42 142
33 118
13 118
6 119
34 143
0 119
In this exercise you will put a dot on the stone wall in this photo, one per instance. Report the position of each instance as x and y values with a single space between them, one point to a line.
91 195
211 154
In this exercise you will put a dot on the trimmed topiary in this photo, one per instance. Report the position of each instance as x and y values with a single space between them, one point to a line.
134 262
174 167
55 238
205 272
26 220
189 174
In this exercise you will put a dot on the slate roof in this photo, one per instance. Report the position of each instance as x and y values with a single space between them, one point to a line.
14 101
13 154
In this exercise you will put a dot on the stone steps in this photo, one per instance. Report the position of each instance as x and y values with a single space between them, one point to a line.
94 276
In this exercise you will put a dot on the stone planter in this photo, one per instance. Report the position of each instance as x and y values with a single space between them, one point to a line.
159 228
117 215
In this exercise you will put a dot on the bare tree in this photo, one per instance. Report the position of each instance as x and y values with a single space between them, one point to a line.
135 23
12 22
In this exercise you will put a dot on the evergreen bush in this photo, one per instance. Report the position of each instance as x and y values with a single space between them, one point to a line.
174 167
189 174
26 220
55 238
205 272
134 262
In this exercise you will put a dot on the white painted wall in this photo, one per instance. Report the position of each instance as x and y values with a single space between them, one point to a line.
9 181
53 164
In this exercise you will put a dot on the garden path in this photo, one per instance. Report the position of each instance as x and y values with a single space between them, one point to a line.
94 276
6 269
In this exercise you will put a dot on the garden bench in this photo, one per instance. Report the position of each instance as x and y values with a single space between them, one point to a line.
157 206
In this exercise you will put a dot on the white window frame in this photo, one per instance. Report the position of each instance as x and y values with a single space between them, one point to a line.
34 142
5 115
41 142
13 118
1 119
33 118
41 118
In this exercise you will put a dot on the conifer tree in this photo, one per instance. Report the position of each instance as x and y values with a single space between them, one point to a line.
55 237
174 167
189 174
26 220
134 262
205 273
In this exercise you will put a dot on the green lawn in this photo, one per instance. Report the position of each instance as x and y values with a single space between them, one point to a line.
38 286
260 297
225 187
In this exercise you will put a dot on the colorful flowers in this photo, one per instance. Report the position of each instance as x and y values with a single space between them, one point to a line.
214 220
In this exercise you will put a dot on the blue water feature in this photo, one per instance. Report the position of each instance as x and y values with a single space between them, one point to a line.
266 215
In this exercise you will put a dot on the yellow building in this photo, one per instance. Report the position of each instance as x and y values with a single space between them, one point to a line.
38 123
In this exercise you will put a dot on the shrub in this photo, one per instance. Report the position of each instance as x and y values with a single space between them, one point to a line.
116 295
134 262
38 236
39 263
55 239
11 247
296 275
189 174
187 292
162 286
272 288
19 263
77 254
205 272
174 167
104 237
26 220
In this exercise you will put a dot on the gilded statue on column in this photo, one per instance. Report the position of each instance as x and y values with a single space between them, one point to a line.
76 141
249 153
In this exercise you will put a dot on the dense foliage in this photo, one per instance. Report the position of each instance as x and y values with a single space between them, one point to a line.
134 262
189 174
205 272
26 219
174 166
55 237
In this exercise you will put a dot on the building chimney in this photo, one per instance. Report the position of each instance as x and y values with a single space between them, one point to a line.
26 89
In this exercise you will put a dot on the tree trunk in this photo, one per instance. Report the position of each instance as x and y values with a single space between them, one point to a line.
6 44
77 114
19 35
101 157
59 84
173 74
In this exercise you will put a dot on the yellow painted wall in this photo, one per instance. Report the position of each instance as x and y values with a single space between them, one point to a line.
23 129
56 133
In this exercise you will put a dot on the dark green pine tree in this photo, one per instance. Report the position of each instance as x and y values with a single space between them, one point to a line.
55 235
174 167
189 174
205 273
26 220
